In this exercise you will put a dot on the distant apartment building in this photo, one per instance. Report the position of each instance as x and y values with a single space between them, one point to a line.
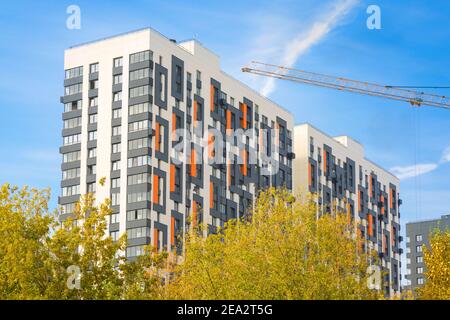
417 236
126 97
336 170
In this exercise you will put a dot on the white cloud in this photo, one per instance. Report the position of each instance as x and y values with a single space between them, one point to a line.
300 43
413 171
446 155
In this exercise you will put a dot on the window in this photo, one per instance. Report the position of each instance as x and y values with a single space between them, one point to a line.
138 125
114 235
420 281
117 96
418 248
139 74
115 199
74 72
71 156
93 118
93 84
178 75
138 197
93 68
189 77
139 161
419 259
138 108
418 238
70 191
68 208
114 218
71 173
72 106
115 183
139 91
93 102
92 135
117 79
118 62
117 113
419 270
199 75
116 147
91 187
138 214
141 56
115 165
73 89
91 169
73 139
72 123
116 130
138 178
92 152
138 232
135 251
139 143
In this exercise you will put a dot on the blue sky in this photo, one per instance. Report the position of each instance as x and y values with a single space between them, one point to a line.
412 48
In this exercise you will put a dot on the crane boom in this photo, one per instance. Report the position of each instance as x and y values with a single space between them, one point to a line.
415 98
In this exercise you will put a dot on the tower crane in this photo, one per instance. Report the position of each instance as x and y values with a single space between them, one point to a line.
415 98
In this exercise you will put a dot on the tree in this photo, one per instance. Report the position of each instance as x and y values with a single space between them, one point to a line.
82 243
282 252
24 230
41 258
437 262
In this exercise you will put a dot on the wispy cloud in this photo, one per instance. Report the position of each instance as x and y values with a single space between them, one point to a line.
412 171
303 41
446 155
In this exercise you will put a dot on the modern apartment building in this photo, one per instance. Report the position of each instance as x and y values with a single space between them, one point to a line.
418 235
336 170
126 98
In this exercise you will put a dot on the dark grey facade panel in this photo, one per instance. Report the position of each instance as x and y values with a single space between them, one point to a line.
177 78
160 77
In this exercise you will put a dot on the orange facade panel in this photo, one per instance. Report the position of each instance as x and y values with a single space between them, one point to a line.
211 139
212 98
172 231
324 162
309 175
194 116
370 225
193 163
391 197
244 162
172 178
157 136
244 108
155 239
174 125
228 120
155 189
211 194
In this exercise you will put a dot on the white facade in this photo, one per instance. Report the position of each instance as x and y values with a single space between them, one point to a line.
349 186
203 66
